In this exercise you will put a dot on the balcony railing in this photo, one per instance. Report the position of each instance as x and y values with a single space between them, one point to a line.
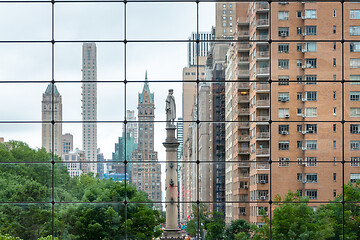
243 72
262 86
262 166
244 59
244 124
243 33
263 135
244 98
262 151
244 111
262 118
263 103
244 138
263 70
243 151
262 22
262 6
243 46
262 37
263 54
243 85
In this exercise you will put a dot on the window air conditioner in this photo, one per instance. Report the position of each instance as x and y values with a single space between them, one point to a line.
284 132
303 148
246 187
304 99
304 132
283 34
287 115
262 197
262 54
304 50
262 181
303 17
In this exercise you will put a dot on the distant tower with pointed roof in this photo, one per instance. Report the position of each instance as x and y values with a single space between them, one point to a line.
50 101
146 171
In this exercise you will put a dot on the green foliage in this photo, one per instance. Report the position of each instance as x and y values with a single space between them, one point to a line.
238 229
198 221
30 183
215 228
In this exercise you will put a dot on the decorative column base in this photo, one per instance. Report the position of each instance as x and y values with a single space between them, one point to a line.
173 234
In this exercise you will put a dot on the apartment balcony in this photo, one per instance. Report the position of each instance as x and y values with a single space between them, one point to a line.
243 60
243 86
262 55
262 120
244 111
243 151
243 73
243 47
244 138
243 98
243 165
243 34
262 38
262 87
262 7
262 166
244 125
262 152
242 21
262 136
262 23
263 104
262 72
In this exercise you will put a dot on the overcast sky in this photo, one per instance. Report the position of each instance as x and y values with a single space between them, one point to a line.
90 21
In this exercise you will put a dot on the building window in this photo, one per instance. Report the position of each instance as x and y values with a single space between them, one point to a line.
310 63
334 144
310 112
334 13
310 14
299 30
311 96
283 63
284 129
355 161
311 178
312 194
355 47
354 177
334 29
355 79
354 145
334 127
283 15
298 14
354 30
355 128
354 96
283 112
334 177
354 112
299 63
310 47
299 47
283 96
334 62
283 48
310 30
283 80
284 162
334 46
283 145
354 14
283 31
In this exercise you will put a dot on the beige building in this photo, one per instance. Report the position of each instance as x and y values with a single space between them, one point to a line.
146 170
51 109
306 155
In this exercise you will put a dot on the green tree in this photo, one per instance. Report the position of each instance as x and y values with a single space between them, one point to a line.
238 229
215 226
199 219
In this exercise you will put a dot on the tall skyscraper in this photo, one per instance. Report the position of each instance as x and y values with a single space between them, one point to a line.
146 171
48 102
67 143
89 104
132 125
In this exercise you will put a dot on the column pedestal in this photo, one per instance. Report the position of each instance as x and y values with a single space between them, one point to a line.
171 144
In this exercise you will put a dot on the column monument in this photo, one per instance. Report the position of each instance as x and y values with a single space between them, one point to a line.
171 144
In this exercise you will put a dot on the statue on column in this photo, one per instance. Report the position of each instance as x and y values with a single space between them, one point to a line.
170 109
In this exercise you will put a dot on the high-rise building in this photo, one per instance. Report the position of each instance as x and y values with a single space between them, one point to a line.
119 154
89 104
146 171
67 143
132 125
225 20
2 140
72 161
100 164
306 154
51 110
200 49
